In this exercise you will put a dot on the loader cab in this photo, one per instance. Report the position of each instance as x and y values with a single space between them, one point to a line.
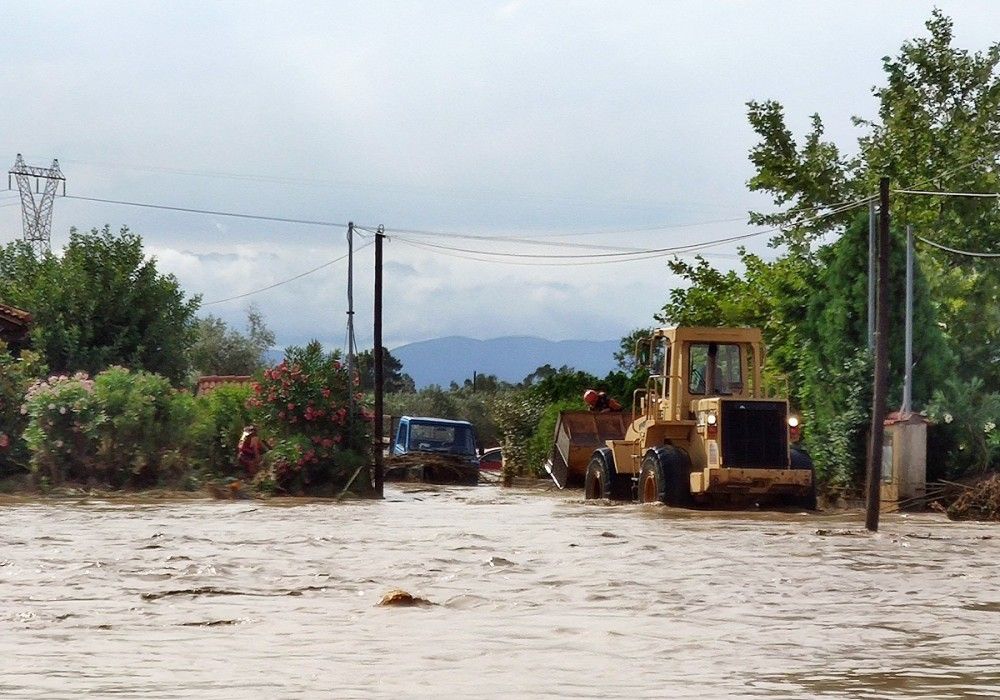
715 369
687 365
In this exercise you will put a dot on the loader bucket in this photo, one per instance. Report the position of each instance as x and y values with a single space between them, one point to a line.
578 434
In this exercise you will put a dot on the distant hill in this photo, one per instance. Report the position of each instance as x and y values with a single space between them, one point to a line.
444 360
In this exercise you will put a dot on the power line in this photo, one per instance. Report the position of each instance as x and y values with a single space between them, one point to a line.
210 212
608 232
956 251
290 279
986 195
595 259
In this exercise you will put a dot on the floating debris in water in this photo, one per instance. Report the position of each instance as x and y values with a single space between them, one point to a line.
500 561
398 598
827 532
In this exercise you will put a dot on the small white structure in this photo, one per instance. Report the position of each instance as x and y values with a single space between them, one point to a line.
904 457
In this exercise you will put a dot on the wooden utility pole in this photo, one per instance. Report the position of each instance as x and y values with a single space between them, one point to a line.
378 428
881 380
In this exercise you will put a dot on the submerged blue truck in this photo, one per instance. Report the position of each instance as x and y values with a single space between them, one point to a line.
434 450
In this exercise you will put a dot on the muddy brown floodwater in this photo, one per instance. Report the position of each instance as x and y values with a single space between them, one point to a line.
533 594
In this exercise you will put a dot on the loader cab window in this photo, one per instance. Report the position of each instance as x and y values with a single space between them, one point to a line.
716 366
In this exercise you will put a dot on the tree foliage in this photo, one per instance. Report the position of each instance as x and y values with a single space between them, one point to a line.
938 128
219 349
393 378
102 303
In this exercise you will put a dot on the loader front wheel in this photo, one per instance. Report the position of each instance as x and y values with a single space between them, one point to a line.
603 482
664 477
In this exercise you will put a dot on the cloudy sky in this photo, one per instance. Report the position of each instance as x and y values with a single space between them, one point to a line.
476 132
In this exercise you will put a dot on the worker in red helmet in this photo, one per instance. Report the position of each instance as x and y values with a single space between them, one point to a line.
599 402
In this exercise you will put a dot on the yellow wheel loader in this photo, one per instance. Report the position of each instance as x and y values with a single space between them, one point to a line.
701 432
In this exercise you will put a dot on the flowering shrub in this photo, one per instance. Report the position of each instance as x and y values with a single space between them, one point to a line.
121 428
63 418
305 409
16 375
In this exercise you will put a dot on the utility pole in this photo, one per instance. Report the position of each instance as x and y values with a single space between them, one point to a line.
908 343
37 215
871 275
351 344
379 377
881 379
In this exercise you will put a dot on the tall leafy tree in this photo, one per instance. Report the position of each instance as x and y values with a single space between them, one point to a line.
219 349
937 129
393 377
836 363
103 302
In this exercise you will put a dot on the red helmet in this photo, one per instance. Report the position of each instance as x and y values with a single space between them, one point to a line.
590 397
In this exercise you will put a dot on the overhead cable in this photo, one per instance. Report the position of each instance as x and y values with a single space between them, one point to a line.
986 195
290 279
956 251
210 212
628 256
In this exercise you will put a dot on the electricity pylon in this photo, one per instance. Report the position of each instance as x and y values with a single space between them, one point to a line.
37 215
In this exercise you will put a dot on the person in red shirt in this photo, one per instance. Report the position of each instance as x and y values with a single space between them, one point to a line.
600 402
250 450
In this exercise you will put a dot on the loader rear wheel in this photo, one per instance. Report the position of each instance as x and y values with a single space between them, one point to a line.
664 477
602 481
800 459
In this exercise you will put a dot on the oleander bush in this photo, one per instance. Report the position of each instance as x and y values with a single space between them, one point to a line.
310 413
119 429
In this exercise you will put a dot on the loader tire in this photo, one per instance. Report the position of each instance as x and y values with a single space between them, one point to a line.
603 482
665 477
800 459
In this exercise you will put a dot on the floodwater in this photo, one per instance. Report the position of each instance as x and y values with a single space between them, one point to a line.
534 594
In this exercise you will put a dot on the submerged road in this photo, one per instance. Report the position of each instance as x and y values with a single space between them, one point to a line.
535 594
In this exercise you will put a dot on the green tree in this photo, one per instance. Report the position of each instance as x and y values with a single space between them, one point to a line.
102 303
836 366
938 128
393 378
517 414
219 349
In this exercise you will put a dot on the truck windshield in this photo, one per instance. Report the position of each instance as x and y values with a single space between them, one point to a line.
726 368
431 437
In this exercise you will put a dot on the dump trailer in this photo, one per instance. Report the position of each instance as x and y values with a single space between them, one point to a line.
702 431
578 434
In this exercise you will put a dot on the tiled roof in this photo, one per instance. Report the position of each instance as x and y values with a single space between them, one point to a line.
211 381
14 315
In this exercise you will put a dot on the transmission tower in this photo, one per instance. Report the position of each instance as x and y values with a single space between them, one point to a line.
37 215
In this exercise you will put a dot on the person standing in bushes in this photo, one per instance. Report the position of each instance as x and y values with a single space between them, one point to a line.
250 450
599 402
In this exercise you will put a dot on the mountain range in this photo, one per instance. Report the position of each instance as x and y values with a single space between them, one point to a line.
442 361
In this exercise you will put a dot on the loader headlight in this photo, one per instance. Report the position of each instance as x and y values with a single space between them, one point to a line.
711 419
793 422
